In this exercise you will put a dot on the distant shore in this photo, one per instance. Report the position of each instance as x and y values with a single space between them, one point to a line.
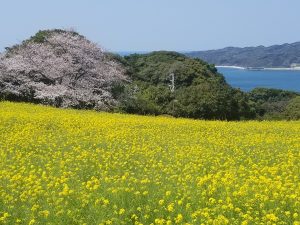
232 67
263 68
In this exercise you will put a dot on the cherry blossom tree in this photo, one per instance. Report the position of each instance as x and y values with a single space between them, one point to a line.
65 69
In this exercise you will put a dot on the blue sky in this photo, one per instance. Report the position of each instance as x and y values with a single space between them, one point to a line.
146 25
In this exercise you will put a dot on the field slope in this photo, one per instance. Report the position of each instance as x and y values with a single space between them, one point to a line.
82 167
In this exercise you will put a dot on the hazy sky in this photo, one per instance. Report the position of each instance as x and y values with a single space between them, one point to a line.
137 25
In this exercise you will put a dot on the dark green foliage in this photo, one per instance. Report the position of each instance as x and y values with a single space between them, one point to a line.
271 103
117 89
269 94
156 67
200 92
292 111
24 96
41 35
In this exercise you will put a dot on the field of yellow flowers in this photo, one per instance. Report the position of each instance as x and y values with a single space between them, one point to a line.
82 167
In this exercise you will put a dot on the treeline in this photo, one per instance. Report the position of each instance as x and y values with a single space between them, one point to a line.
198 91
275 104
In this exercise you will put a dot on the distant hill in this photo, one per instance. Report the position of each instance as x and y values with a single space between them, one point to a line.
197 89
273 56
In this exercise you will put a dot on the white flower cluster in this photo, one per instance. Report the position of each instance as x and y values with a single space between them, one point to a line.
65 69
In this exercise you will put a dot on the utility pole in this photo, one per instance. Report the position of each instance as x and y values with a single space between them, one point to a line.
172 85
172 89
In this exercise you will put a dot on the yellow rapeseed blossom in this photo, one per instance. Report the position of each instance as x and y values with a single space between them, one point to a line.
4 216
32 221
121 211
44 213
272 217
179 218
170 207
161 202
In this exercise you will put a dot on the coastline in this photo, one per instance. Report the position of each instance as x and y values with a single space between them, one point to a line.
284 68
263 68
232 67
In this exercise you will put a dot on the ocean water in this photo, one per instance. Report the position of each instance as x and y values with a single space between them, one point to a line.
246 80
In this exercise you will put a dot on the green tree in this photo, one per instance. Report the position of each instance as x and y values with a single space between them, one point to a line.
292 111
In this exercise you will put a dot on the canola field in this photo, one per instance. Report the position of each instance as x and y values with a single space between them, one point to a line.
82 167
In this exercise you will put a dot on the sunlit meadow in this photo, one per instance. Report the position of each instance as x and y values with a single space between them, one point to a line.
82 167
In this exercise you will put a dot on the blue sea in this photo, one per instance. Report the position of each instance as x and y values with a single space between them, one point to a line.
246 80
